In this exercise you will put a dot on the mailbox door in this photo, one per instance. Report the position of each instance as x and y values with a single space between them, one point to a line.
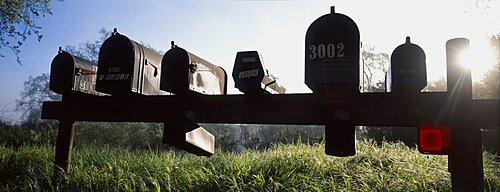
248 70
116 73
174 76
61 73
408 68
84 78
205 77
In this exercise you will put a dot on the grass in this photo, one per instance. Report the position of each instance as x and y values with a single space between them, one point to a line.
295 167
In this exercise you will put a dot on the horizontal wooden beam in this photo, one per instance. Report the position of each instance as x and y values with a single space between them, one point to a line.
375 109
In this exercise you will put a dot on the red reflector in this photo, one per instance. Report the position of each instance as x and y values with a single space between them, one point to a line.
434 138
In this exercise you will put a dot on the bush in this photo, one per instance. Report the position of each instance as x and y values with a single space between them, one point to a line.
28 133
407 135
229 137
130 135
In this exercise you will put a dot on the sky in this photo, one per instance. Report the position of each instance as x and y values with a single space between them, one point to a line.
216 30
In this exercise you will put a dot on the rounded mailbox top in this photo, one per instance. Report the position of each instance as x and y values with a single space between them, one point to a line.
408 68
117 50
407 52
333 24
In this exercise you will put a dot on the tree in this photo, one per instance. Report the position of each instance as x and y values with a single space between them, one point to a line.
36 91
437 85
375 67
489 85
90 49
17 18
482 6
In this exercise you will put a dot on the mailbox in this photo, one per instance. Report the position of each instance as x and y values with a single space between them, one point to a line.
185 73
127 67
407 72
70 73
333 67
250 76
332 55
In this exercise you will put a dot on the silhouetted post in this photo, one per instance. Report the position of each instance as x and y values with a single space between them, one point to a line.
465 160
340 139
64 145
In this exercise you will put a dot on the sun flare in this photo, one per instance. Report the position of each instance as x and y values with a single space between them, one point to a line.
479 58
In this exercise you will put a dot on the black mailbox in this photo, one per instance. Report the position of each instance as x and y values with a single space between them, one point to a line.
126 67
184 72
332 68
70 73
250 76
332 55
407 72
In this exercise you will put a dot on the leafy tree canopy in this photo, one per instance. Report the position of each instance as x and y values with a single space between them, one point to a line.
17 23
375 67
489 85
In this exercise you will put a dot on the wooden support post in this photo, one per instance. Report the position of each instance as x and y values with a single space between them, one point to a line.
340 139
465 161
64 145
166 129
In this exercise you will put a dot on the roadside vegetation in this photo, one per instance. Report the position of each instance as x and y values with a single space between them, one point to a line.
282 167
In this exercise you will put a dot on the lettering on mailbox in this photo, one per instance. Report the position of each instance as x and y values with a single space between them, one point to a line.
328 51
249 73
119 76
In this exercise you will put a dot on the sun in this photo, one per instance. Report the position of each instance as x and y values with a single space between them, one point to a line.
465 58
478 58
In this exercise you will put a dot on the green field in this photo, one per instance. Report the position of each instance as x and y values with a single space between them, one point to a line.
292 167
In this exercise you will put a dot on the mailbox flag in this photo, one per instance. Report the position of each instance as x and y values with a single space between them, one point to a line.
434 138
